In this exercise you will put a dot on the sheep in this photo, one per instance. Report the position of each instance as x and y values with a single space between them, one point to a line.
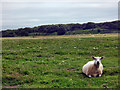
93 68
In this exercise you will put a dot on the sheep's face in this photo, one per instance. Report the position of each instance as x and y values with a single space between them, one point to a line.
97 60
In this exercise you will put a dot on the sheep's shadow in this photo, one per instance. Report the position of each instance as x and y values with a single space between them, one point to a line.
85 76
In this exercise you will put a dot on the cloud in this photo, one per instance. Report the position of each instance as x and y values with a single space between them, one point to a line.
27 14
34 20
59 1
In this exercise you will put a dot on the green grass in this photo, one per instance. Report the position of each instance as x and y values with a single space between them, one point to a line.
57 63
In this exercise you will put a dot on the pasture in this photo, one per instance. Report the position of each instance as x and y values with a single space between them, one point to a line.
56 62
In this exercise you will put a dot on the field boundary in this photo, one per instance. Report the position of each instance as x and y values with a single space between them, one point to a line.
63 36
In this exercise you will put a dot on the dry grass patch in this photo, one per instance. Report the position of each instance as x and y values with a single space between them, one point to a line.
63 36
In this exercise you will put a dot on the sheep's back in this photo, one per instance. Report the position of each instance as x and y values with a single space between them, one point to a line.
86 66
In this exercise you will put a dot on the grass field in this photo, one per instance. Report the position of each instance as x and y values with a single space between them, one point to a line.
57 62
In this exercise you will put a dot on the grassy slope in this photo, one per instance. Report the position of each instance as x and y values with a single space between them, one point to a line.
47 63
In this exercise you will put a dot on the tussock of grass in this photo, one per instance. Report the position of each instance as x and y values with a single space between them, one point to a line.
57 63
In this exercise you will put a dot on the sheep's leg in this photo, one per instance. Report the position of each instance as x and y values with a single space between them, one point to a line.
87 73
100 73
89 76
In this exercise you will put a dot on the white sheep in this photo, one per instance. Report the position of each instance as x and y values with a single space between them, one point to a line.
93 68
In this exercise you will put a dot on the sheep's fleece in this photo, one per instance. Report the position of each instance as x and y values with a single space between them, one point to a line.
93 68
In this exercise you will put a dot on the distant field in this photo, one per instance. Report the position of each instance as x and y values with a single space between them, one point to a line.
64 36
47 62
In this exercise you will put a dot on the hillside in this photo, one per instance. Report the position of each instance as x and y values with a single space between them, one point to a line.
65 29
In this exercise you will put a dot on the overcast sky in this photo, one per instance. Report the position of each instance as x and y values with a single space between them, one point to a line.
30 13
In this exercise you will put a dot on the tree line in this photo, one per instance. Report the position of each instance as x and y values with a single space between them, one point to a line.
64 29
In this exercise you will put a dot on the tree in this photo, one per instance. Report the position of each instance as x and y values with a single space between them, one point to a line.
61 30
90 25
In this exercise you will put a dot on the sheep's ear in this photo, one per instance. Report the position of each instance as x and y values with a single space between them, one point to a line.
93 57
102 57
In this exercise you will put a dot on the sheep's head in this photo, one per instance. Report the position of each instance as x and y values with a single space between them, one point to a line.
97 60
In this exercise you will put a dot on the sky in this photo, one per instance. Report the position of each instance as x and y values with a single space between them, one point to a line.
30 13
